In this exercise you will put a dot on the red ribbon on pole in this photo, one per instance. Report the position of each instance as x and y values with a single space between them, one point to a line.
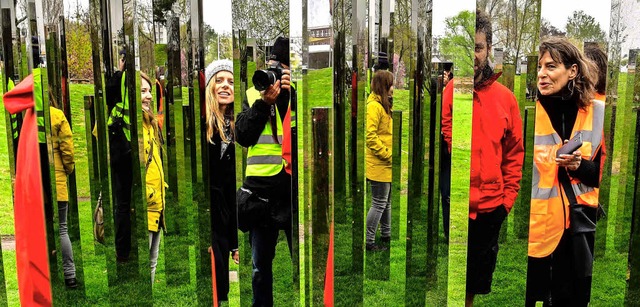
214 285
34 284
328 281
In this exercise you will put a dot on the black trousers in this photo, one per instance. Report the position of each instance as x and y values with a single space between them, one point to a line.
445 184
560 278
482 252
121 174
221 253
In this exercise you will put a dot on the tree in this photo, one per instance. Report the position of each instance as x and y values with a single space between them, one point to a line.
516 27
402 34
459 41
490 6
78 37
264 20
617 37
547 29
78 55
216 44
584 28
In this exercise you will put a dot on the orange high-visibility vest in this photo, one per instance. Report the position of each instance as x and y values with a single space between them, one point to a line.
549 203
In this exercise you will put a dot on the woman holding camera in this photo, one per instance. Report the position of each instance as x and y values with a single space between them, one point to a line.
378 157
222 183
155 183
564 201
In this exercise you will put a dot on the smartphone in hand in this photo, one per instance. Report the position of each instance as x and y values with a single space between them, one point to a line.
571 146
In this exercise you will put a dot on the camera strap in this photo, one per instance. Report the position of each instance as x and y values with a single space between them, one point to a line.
274 124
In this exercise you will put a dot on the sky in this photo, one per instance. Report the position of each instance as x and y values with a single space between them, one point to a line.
631 9
557 15
218 14
320 16
447 8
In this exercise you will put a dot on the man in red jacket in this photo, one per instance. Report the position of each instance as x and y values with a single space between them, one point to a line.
445 148
496 163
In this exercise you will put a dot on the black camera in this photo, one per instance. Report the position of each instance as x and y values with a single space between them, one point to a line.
263 79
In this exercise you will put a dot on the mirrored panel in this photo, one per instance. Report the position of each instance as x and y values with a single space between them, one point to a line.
264 118
554 233
452 43
66 223
320 49
220 104
510 32
624 34
349 19
12 40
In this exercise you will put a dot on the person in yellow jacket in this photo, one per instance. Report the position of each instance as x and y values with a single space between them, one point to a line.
62 140
564 196
379 128
155 183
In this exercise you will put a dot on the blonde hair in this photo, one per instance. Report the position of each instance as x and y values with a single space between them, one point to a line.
215 117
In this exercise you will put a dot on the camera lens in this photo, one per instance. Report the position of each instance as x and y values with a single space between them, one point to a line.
263 79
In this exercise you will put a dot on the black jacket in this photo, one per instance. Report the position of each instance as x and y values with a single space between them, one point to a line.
113 90
277 189
222 185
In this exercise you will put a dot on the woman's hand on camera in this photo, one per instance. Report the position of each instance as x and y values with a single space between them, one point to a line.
286 80
571 162
271 94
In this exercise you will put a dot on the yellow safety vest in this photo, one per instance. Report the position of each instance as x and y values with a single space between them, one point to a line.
549 204
37 93
121 110
264 159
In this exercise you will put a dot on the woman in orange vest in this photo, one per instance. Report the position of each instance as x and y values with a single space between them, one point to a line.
564 197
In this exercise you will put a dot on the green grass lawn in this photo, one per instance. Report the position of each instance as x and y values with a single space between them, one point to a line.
509 278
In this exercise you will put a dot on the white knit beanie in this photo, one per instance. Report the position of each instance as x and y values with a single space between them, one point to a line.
216 67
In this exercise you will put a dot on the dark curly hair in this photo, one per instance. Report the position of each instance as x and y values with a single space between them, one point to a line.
564 52
599 58
483 25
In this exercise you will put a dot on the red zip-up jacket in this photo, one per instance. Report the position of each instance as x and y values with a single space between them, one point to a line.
447 113
497 151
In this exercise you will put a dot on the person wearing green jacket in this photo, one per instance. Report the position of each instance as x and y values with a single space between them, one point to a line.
379 137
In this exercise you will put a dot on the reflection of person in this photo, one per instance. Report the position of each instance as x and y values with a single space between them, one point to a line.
496 163
120 159
382 63
154 177
264 200
379 129
564 198
222 182
445 148
62 139
599 58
